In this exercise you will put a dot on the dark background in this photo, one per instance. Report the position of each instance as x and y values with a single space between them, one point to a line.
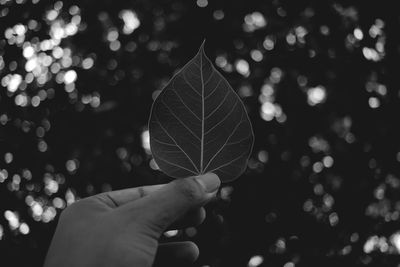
319 79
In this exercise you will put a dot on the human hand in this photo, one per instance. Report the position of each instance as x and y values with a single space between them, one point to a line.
122 228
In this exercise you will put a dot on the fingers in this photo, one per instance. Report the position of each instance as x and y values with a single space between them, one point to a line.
158 211
121 197
176 254
192 218
118 198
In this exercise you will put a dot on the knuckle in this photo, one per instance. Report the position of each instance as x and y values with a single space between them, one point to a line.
67 213
74 210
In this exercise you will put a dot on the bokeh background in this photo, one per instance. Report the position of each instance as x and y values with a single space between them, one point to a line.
320 80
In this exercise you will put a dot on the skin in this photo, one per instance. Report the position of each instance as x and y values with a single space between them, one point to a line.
123 228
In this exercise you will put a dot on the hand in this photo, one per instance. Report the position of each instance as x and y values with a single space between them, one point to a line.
122 228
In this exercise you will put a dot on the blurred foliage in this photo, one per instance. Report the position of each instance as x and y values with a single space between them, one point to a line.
319 78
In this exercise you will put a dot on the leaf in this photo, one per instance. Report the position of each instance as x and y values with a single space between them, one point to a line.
198 124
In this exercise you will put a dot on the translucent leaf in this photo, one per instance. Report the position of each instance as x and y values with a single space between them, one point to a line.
198 124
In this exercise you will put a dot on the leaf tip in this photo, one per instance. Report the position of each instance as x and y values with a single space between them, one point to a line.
202 46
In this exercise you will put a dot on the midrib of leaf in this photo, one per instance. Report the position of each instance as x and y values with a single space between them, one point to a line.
202 111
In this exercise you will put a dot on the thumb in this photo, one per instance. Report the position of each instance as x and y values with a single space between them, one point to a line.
163 207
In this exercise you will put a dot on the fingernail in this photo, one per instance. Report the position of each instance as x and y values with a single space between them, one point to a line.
209 181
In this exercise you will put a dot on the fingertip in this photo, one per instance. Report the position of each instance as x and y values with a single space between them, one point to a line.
177 253
188 252
194 251
210 182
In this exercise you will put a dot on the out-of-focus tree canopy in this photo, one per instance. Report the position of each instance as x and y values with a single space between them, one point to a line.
320 80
